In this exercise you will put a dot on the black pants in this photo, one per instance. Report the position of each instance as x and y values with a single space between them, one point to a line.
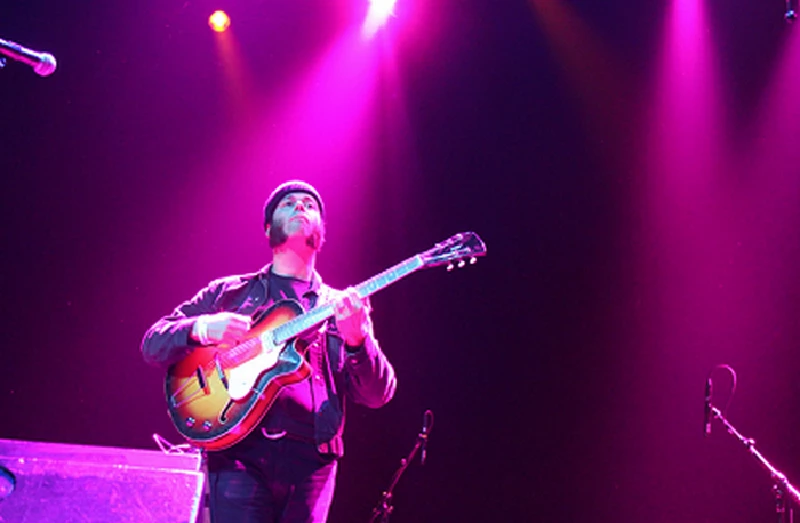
265 481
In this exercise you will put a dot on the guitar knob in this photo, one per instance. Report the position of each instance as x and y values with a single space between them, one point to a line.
207 426
189 421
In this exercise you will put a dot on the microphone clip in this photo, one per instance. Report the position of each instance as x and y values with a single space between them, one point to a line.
427 425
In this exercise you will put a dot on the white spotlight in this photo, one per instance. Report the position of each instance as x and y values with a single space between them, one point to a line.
379 12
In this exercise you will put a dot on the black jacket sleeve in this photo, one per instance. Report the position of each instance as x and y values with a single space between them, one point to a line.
167 341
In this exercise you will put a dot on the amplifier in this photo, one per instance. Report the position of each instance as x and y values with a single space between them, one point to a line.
53 482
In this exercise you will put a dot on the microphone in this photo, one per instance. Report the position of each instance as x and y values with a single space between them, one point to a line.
427 425
43 63
707 410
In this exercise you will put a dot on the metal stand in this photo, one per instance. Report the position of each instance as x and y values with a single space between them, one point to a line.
781 486
382 512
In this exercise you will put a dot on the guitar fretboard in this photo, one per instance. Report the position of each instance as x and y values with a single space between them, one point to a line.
321 313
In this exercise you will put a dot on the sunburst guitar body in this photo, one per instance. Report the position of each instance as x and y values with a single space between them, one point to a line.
218 394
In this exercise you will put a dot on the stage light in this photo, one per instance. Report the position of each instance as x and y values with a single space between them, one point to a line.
382 8
219 21
379 12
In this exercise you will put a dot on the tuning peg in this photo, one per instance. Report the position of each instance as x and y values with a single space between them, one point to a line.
473 260
450 267
461 263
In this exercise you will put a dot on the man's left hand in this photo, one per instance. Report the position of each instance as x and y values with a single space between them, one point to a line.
352 317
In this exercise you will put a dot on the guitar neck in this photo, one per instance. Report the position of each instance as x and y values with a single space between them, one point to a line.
319 314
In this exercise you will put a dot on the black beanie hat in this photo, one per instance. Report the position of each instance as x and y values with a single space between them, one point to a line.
284 189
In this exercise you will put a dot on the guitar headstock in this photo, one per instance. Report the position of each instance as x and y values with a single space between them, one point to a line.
455 250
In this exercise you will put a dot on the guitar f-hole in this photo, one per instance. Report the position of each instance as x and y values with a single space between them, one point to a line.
201 380
223 416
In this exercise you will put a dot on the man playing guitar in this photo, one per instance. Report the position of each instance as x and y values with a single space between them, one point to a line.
272 447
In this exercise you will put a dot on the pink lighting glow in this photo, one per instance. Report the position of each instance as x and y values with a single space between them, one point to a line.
319 126
690 241
689 258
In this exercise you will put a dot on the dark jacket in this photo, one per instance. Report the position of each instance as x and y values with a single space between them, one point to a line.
362 374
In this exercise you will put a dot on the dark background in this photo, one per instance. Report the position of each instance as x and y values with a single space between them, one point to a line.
565 370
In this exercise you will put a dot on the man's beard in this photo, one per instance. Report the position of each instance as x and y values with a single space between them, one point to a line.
278 237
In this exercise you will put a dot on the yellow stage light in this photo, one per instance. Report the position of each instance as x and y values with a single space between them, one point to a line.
219 21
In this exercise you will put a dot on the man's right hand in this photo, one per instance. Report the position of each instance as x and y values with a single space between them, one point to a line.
223 327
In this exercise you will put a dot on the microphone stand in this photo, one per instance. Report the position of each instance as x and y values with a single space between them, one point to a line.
382 512
781 486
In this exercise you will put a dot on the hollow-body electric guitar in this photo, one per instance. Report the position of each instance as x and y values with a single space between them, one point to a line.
218 394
